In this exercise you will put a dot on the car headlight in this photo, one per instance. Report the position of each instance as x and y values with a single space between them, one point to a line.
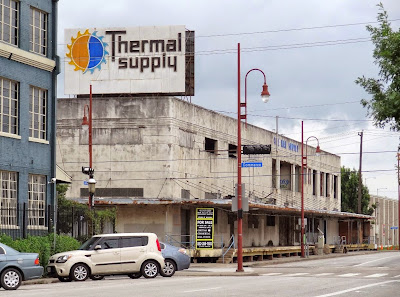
63 259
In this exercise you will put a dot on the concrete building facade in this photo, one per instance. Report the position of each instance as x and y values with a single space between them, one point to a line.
28 70
158 158
385 226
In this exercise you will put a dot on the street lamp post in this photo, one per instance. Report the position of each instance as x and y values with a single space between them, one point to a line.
398 192
264 95
303 166
88 123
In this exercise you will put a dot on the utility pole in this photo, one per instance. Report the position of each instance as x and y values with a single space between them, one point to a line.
359 174
398 191
360 189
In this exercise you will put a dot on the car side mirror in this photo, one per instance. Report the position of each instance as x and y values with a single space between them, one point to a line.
97 247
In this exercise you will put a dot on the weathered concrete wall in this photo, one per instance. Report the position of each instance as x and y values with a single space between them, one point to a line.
158 145
386 216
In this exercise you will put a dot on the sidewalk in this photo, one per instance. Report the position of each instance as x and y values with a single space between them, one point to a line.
215 269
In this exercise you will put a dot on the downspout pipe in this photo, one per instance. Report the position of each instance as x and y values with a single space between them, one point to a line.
53 135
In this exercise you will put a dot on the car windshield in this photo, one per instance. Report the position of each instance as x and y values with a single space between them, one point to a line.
88 244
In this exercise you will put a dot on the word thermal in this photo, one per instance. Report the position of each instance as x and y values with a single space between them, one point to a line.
156 53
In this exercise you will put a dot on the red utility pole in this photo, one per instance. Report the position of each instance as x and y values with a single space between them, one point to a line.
239 178
398 190
302 190
90 140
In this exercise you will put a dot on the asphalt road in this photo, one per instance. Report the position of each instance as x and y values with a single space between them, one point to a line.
376 274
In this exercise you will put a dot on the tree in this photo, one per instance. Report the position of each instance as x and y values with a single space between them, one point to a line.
349 182
384 107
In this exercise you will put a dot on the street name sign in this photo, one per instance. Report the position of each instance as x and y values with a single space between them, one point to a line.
394 228
251 164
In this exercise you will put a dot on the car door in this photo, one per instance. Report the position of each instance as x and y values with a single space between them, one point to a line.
107 260
133 250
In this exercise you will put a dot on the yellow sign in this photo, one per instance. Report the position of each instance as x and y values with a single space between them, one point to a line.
204 228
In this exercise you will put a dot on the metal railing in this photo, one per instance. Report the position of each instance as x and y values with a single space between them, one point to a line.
231 245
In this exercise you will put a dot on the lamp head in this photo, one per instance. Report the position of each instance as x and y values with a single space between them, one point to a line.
318 151
92 185
265 94
85 121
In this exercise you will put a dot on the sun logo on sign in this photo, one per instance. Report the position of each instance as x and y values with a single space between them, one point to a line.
87 51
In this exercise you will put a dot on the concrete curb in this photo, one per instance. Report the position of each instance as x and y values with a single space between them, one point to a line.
206 269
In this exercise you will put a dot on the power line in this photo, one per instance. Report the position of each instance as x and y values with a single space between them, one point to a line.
291 29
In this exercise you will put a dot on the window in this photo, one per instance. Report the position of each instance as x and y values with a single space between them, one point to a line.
37 200
38 34
8 106
185 194
134 241
322 183
270 220
327 185
314 191
335 184
210 145
9 21
110 243
8 198
232 151
38 112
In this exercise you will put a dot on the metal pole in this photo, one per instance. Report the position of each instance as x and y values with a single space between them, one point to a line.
398 190
90 139
302 190
239 178
359 175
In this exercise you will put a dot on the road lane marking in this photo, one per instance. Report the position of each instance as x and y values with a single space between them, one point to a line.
348 274
396 276
357 288
377 275
324 274
271 274
374 261
297 274
200 290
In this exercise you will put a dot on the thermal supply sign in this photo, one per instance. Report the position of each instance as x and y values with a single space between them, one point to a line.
125 60
204 228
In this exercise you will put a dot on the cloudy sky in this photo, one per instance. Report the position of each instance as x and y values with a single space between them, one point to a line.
311 52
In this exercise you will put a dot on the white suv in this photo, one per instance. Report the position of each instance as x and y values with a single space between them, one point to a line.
133 254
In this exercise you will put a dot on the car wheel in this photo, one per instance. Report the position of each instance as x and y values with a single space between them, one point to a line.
135 275
169 268
11 279
79 272
96 277
150 269
64 279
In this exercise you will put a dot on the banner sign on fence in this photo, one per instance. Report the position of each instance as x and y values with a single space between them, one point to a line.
204 228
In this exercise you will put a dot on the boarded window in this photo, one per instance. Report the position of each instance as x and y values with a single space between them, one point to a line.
114 192
185 194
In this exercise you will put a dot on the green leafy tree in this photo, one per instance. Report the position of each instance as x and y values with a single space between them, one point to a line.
384 107
349 182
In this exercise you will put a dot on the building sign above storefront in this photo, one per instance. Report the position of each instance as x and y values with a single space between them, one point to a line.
141 60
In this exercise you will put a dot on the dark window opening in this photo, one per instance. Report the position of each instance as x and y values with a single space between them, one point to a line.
270 220
232 151
314 182
335 186
210 145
